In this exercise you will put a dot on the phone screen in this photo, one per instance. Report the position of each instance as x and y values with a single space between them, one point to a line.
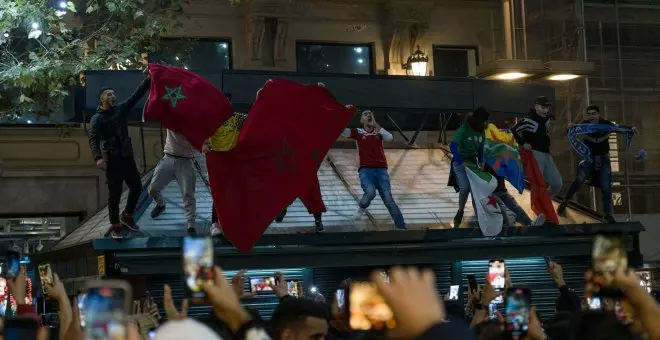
453 292
341 299
594 303
13 264
496 274
45 276
368 310
608 254
105 313
20 329
492 311
262 284
82 301
293 288
517 312
198 261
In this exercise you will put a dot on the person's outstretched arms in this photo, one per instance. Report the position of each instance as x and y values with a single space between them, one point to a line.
125 107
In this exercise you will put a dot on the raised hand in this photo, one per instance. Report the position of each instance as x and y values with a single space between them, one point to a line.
170 308
238 284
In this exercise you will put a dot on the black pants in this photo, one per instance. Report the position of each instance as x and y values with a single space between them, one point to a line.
119 170
214 214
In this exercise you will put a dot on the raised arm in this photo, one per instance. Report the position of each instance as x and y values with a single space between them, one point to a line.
386 135
139 92
95 139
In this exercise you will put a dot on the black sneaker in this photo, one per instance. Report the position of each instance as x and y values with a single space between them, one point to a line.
191 231
318 226
129 223
610 219
158 209
561 209
115 232
279 218
458 218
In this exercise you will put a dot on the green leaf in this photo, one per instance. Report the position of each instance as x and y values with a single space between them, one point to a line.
71 6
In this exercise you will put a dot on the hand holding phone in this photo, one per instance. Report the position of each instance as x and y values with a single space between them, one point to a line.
45 276
453 292
13 264
198 262
107 307
517 312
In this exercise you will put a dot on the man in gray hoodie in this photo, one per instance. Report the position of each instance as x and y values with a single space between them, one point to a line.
177 163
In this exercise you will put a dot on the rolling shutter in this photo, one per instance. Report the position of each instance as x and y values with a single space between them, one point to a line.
532 273
264 303
327 280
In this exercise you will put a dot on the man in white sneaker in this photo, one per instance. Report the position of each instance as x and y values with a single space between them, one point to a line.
176 164
373 166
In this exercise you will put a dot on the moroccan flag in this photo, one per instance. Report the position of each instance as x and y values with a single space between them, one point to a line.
186 103
538 189
482 185
282 143
501 154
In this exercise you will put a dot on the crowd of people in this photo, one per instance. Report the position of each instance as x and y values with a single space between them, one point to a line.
410 295
531 135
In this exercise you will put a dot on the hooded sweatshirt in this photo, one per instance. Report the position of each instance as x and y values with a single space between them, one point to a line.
111 127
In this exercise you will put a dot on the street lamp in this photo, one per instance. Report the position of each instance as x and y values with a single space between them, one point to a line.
417 63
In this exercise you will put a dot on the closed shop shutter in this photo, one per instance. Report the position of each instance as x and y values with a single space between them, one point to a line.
532 273
327 280
264 303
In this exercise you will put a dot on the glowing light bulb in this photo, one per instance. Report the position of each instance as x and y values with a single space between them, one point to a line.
35 26
63 4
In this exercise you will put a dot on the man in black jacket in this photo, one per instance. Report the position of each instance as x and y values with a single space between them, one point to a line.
533 133
110 125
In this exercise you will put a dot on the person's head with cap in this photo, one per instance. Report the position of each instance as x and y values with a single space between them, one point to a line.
542 106
299 319
107 97
185 329
477 120
592 114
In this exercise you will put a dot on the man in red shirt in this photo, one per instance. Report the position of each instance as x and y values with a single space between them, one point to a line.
373 166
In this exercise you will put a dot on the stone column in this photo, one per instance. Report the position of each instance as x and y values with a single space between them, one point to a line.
281 42
255 28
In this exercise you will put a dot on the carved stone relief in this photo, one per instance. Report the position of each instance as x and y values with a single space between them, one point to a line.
280 39
255 35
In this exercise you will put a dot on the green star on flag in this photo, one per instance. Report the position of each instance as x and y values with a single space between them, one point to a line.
174 95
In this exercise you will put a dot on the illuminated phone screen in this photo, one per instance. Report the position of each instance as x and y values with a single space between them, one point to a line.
105 313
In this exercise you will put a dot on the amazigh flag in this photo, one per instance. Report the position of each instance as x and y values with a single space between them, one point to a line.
538 189
501 154
186 103
282 143
482 185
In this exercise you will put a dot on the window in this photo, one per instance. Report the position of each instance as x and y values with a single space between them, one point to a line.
196 55
454 61
334 58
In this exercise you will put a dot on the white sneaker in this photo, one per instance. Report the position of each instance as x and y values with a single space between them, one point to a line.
216 229
358 214
540 219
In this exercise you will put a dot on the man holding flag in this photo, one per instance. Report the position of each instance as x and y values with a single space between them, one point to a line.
595 151
276 155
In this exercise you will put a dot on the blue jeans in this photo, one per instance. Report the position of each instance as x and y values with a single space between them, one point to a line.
372 179
584 172
510 203
463 184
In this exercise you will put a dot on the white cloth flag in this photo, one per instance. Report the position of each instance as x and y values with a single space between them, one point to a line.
489 214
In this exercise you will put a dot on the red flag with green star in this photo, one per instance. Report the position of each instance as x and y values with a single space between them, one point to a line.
186 103
282 143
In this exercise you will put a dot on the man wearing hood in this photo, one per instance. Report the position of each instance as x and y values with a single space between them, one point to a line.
533 133
110 125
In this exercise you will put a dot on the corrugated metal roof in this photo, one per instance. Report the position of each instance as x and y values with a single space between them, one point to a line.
419 186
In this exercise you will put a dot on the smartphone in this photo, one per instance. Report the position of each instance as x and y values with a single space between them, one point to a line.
198 262
496 274
340 296
517 312
21 328
594 303
45 276
261 284
472 283
294 288
453 292
82 301
608 254
367 309
492 311
13 264
107 306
